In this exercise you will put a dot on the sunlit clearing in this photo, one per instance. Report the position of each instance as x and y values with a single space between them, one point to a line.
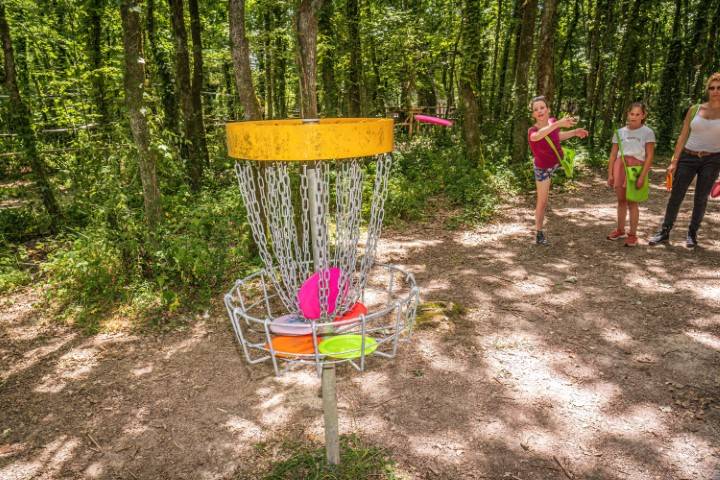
32 357
74 365
47 462
707 339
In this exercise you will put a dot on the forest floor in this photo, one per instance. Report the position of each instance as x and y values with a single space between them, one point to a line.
582 360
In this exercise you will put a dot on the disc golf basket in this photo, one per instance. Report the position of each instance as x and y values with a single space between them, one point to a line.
320 298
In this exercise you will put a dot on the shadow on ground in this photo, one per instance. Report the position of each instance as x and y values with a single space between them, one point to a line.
584 360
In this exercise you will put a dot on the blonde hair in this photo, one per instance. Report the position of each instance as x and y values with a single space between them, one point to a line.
715 77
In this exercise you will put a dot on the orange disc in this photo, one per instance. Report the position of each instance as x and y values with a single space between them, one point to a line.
286 345
354 312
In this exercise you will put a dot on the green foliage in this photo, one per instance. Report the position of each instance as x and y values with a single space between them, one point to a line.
428 167
358 460
24 221
199 250
13 273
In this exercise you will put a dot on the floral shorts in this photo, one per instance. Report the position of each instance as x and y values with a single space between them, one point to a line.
542 174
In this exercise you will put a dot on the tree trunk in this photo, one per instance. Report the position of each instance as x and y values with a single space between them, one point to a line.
164 74
327 61
524 50
450 85
241 61
94 10
546 50
471 46
692 68
570 39
197 83
267 52
20 124
190 148
669 85
627 66
496 44
355 69
307 30
280 65
134 83
512 29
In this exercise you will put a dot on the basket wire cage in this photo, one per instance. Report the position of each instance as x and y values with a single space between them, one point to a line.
314 192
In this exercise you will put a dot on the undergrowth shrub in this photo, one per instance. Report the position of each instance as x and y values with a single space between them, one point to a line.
200 248
12 271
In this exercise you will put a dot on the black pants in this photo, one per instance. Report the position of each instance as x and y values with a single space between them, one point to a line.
706 169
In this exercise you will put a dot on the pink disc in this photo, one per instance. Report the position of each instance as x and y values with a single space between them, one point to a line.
309 294
433 120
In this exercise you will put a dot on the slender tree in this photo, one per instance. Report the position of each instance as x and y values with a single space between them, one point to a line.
163 71
327 59
510 34
94 48
471 45
496 44
546 50
196 84
355 70
20 123
307 31
670 85
241 60
280 63
134 86
192 146
524 51
269 61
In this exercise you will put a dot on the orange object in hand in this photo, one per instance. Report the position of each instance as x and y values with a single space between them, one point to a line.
668 181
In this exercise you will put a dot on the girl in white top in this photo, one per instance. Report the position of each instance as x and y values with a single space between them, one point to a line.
638 148
697 153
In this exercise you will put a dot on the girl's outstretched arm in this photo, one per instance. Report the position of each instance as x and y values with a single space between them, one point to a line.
564 122
649 157
578 132
611 164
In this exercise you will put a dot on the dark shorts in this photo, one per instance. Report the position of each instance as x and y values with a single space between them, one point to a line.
542 174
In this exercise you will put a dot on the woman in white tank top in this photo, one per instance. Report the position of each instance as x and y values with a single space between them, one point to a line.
697 153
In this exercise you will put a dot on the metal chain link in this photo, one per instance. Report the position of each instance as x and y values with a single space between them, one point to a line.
377 212
267 191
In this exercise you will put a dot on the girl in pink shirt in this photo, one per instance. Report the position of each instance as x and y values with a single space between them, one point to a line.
546 160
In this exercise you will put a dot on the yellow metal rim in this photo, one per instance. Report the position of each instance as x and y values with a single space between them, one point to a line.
300 140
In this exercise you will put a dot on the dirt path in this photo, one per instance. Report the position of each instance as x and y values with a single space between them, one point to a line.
583 360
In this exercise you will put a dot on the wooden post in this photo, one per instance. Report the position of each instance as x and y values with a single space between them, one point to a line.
330 414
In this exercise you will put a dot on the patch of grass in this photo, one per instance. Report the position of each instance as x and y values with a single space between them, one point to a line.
434 314
12 273
358 460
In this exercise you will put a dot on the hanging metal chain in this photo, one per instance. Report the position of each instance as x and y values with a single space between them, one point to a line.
279 209
322 204
289 255
348 193
377 212
246 174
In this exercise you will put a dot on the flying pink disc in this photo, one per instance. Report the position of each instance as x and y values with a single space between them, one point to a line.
309 294
434 120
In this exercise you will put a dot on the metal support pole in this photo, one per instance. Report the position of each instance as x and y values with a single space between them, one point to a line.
329 385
